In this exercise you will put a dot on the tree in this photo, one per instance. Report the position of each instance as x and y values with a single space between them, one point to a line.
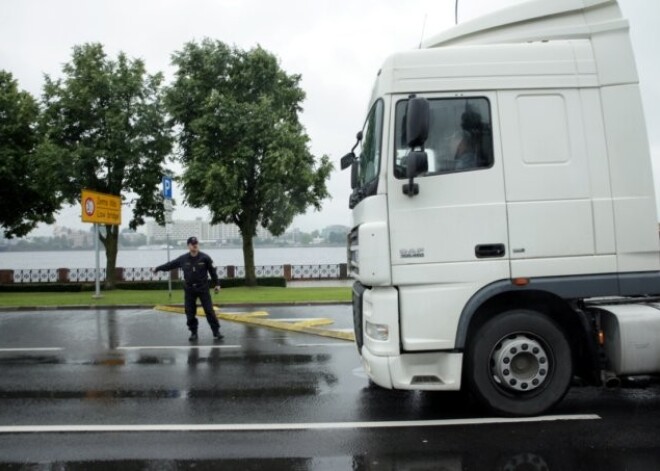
28 192
246 155
105 123
337 238
306 239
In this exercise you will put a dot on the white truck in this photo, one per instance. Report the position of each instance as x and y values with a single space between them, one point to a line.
505 236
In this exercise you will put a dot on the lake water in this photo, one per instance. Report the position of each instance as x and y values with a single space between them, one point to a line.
151 258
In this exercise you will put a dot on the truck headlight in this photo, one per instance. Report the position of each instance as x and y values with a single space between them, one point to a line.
377 331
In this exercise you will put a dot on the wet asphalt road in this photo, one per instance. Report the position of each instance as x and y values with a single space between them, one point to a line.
132 368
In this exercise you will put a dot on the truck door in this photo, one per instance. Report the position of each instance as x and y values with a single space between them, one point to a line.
451 238
558 194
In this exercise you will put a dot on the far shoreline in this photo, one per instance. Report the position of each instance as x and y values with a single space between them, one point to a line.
172 247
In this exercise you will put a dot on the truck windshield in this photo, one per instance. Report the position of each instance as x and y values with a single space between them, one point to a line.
370 148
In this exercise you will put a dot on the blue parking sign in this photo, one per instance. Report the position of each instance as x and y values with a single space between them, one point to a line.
167 188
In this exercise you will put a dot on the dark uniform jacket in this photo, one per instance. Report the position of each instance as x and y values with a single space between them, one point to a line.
195 269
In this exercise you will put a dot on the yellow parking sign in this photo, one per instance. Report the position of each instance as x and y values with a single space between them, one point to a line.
100 208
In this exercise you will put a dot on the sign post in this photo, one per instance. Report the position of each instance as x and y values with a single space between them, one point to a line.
167 195
100 208
97 265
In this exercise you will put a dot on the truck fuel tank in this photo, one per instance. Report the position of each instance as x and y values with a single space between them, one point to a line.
632 337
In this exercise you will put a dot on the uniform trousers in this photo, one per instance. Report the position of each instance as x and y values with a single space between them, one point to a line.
191 296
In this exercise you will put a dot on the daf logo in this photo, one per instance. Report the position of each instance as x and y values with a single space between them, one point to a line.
412 253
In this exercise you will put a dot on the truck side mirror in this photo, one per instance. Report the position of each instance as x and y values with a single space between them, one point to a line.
417 163
417 122
354 174
417 131
347 160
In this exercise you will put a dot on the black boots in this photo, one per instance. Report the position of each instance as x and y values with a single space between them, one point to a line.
216 336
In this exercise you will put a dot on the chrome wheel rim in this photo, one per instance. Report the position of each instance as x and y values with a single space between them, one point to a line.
520 363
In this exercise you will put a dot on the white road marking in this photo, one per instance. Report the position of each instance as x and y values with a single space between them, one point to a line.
343 344
36 349
279 427
172 347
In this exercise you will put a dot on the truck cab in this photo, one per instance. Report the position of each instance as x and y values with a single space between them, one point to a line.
502 187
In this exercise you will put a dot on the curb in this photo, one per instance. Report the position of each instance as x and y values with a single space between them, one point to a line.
257 318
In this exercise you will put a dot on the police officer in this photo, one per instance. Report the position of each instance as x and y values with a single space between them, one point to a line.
196 265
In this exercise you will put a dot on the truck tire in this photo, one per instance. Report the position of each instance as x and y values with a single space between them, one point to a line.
519 363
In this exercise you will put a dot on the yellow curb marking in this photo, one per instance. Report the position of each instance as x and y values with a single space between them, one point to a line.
305 326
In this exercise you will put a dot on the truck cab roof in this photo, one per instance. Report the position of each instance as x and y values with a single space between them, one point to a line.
536 20
536 44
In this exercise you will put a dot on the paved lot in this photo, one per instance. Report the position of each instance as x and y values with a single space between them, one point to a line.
124 388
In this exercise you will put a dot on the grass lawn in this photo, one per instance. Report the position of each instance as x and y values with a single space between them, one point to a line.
227 296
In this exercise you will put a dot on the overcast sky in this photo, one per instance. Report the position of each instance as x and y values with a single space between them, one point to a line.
337 45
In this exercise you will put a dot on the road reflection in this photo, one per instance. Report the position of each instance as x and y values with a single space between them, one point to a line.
557 460
374 402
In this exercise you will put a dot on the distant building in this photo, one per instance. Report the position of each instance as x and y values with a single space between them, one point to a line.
339 229
335 234
131 237
77 238
181 230
223 232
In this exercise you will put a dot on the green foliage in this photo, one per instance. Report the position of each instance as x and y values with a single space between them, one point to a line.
42 288
106 121
249 296
104 124
246 154
28 196
305 238
337 238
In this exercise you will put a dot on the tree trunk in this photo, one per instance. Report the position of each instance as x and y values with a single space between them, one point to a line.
248 259
111 244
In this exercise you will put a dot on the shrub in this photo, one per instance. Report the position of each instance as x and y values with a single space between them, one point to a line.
43 288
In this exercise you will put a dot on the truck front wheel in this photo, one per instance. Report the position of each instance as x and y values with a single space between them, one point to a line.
518 363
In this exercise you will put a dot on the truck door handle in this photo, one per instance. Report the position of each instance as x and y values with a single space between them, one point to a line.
489 250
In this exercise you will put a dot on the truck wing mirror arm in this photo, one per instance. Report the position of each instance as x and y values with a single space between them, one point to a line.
349 158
